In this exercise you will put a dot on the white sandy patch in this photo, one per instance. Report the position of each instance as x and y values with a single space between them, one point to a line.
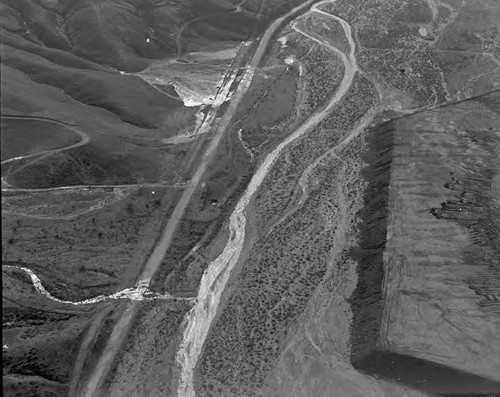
201 56
140 293
283 40
195 84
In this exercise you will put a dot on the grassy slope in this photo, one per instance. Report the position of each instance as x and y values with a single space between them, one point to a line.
70 46
128 34
132 100
21 137
65 94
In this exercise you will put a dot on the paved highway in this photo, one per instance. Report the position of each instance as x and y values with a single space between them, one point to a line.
152 265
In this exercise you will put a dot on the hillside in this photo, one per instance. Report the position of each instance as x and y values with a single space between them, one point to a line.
258 198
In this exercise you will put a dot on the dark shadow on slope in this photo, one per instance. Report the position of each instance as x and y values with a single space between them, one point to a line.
129 98
366 301
426 376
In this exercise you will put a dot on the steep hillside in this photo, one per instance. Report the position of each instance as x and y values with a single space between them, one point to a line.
128 34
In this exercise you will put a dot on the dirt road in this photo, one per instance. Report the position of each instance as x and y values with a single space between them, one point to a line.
84 138
303 180
87 187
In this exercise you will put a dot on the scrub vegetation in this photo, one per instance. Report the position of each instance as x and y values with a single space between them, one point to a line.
371 235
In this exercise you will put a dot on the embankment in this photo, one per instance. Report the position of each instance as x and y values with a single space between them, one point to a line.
367 299
426 303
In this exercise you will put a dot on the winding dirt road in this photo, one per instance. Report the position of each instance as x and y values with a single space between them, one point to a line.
215 277
178 41
364 122
45 153
84 138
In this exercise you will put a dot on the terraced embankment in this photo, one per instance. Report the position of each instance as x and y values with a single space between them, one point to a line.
426 305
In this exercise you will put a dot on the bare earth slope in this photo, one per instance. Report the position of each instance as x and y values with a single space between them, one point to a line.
441 283
431 293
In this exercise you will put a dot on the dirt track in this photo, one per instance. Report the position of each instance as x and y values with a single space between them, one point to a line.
85 138
45 153
76 187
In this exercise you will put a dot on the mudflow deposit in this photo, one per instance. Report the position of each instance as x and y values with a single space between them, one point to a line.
250 198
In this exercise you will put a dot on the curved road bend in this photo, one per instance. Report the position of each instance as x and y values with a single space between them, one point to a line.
121 328
84 140
84 137
215 277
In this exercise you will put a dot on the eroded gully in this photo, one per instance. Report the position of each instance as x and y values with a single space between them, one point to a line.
139 293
